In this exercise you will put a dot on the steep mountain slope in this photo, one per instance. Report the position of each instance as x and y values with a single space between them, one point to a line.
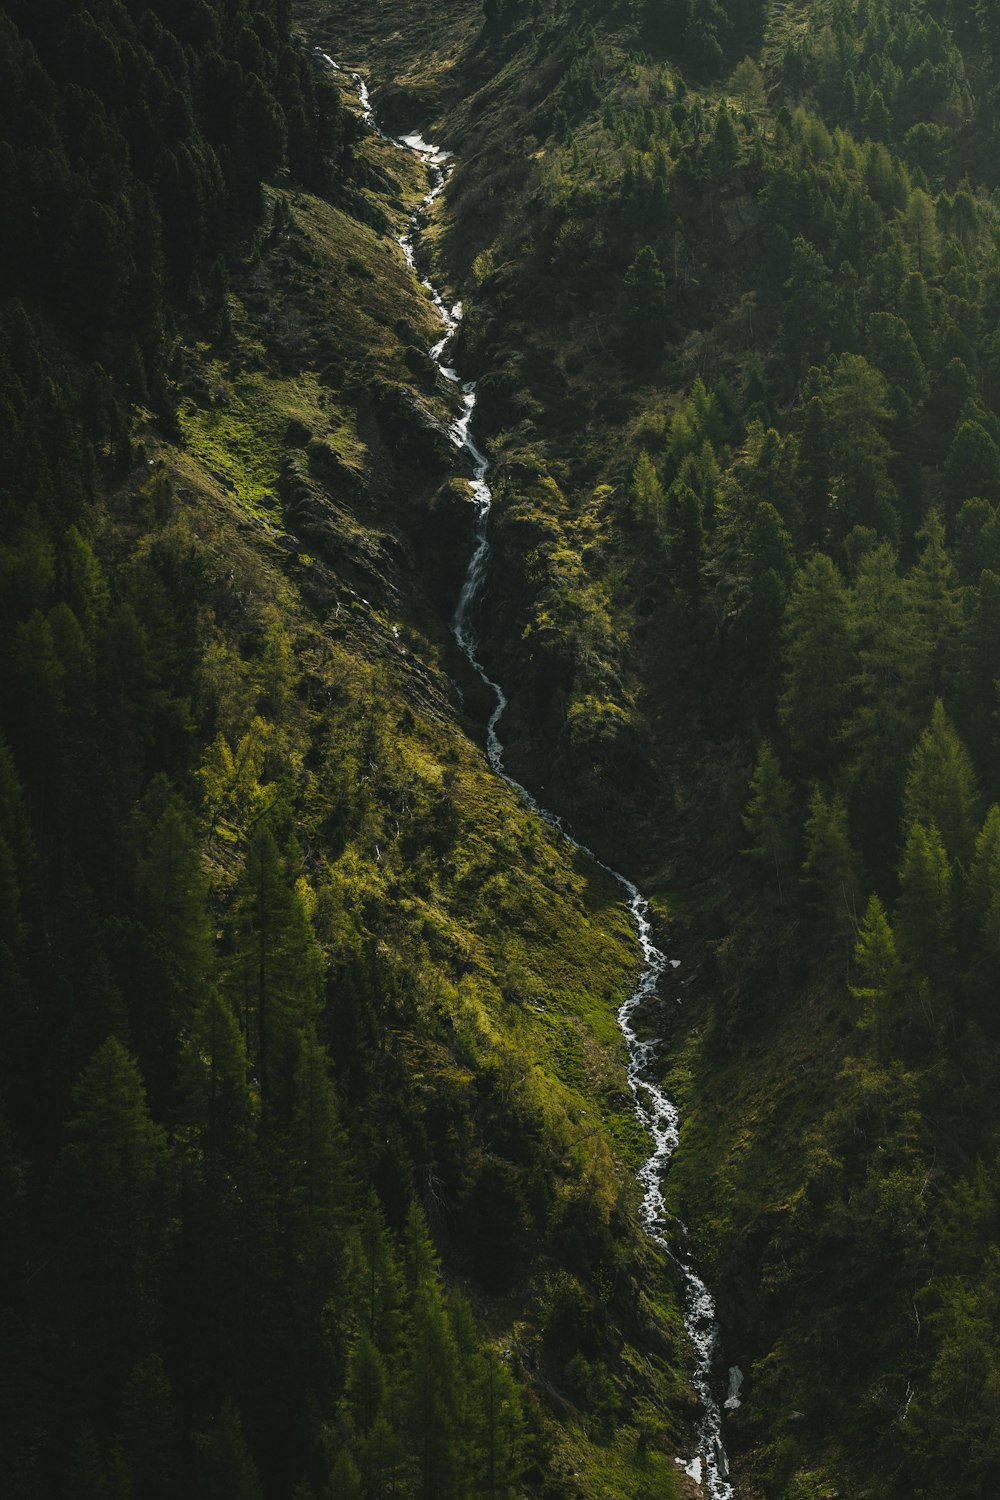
317 1153
734 320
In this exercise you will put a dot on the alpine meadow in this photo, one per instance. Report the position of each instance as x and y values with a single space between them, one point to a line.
500 749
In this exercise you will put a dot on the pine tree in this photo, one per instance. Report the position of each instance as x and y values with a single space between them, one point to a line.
685 537
647 491
937 610
214 1093
915 311
882 729
770 817
920 231
420 1261
435 1399
894 353
646 306
856 397
725 142
108 1197
118 1477
497 1428
227 1470
806 305
173 909
982 894
923 912
819 658
972 468
275 976
975 527
383 1460
749 86
380 1289
345 1480
367 1385
317 1154
85 1478
814 470
875 955
830 864
980 674
147 1430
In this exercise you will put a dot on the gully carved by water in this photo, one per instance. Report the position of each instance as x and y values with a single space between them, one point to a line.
655 1109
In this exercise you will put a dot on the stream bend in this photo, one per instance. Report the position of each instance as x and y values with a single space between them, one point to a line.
654 1108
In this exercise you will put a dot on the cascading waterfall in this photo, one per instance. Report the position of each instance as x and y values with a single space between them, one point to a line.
656 1111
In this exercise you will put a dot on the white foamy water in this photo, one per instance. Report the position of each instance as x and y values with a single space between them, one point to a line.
710 1466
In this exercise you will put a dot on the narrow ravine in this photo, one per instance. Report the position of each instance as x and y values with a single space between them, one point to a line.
657 1112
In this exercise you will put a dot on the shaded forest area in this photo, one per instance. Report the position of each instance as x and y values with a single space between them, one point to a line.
317 1153
200 1294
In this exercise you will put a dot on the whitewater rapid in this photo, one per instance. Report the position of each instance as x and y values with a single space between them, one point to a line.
657 1112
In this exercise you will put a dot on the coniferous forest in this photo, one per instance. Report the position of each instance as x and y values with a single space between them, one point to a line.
324 1158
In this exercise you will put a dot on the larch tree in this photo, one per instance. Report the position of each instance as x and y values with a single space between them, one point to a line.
227 1469
645 306
685 537
972 468
918 224
769 818
435 1399
275 975
936 601
147 1430
497 1427
923 913
830 866
876 958
109 1196
214 1098
941 787
367 1384
819 660
646 490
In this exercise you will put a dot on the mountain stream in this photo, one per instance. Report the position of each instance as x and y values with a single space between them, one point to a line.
657 1112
